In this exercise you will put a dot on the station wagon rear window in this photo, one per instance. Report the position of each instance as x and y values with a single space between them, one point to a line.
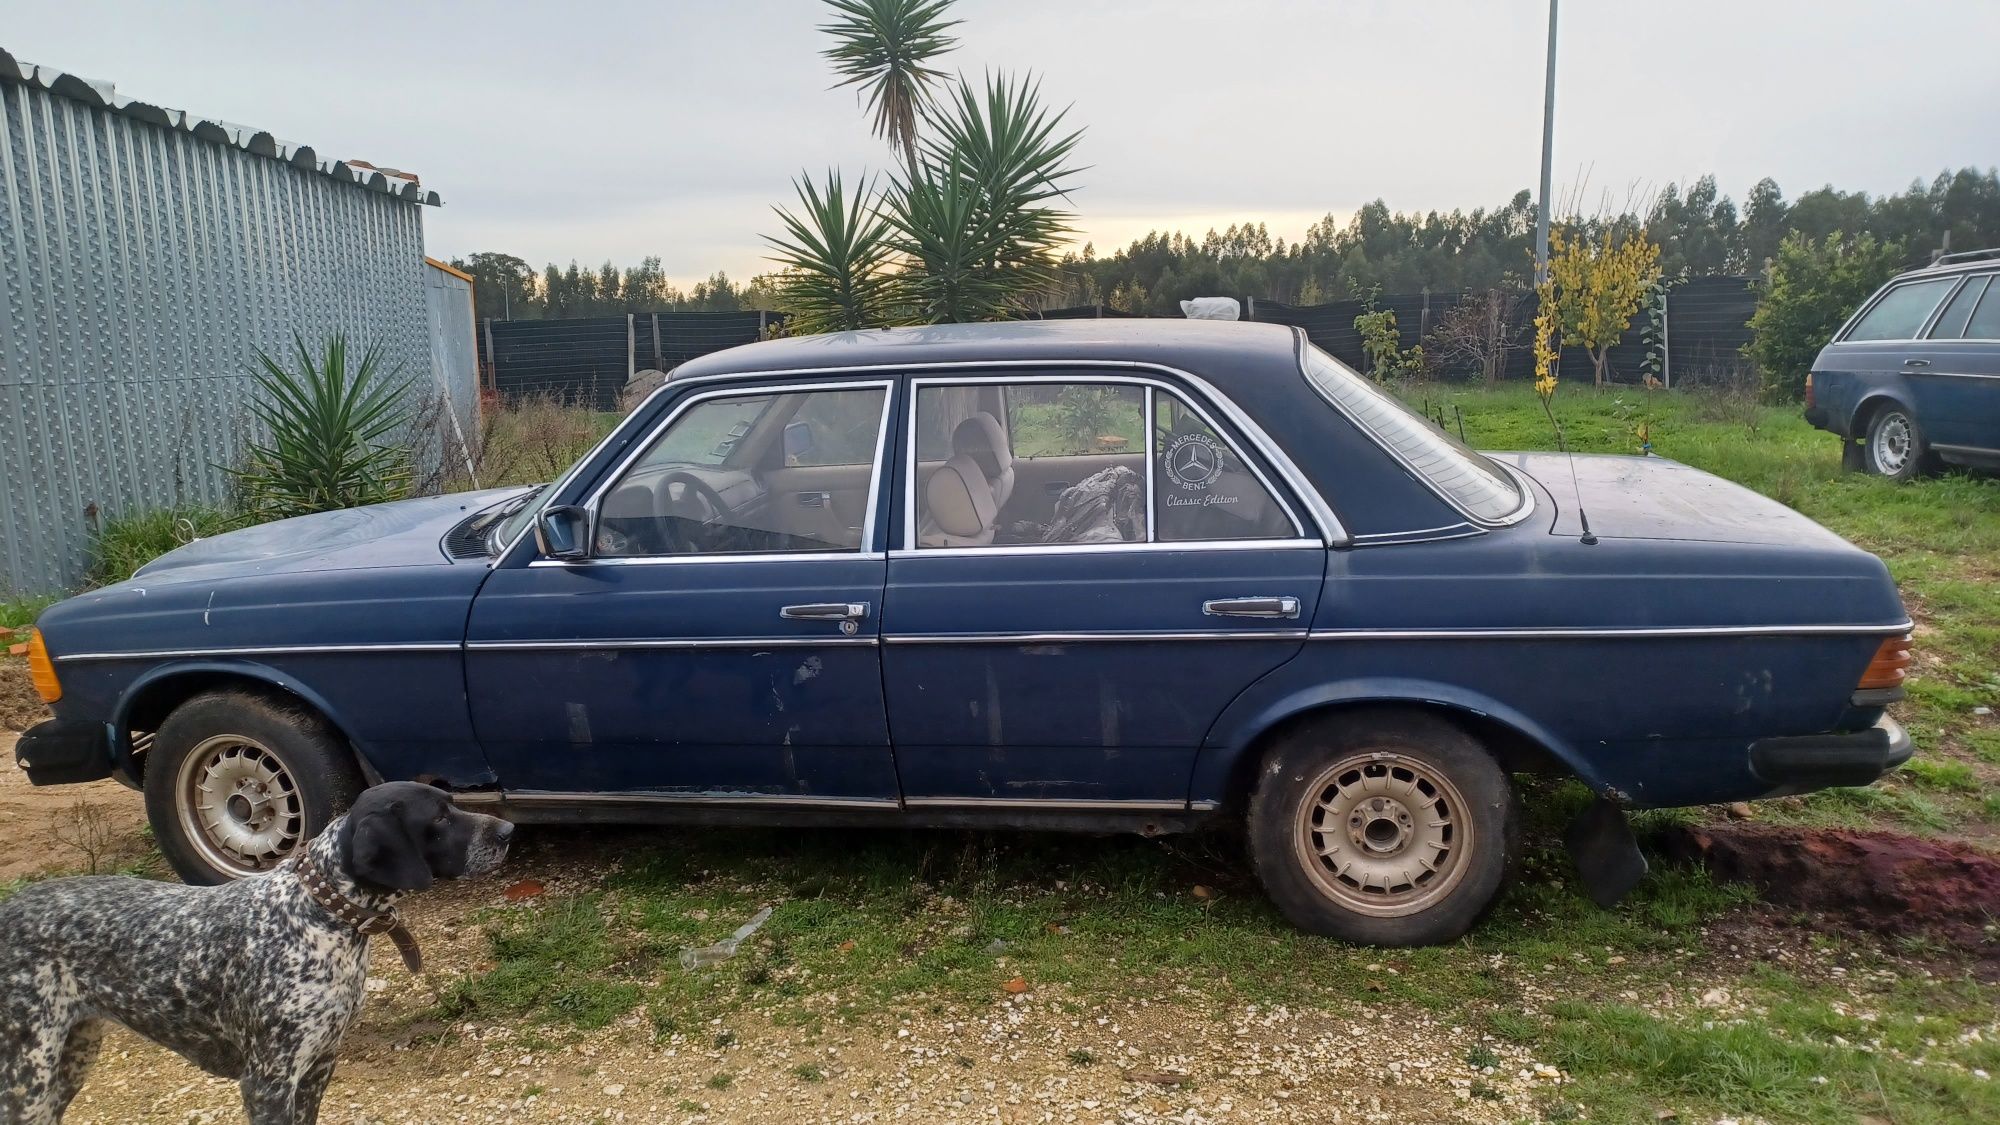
1474 484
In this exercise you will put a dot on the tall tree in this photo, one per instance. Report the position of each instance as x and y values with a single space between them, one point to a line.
884 47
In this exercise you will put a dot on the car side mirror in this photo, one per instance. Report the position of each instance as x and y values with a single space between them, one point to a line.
563 532
798 440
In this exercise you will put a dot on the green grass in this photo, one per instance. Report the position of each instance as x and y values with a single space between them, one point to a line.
20 612
128 542
1940 538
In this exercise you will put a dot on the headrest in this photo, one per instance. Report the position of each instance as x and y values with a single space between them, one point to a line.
958 499
981 438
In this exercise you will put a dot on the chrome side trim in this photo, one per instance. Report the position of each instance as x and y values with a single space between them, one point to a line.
1136 636
1590 633
1460 525
1116 548
732 559
550 797
671 643
263 650
1033 803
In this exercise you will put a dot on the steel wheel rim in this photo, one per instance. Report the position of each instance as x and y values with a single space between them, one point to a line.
1383 835
1891 444
239 805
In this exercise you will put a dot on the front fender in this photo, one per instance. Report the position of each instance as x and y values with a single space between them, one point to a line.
135 693
1278 698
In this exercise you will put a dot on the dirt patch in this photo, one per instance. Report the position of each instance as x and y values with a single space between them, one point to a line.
1878 881
20 706
63 828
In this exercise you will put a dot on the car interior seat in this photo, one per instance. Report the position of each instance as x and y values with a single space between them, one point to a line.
963 498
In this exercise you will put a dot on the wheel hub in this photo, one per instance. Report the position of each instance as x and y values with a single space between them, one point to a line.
1383 834
239 805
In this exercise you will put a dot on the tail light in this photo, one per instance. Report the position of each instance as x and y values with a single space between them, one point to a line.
1809 391
1890 666
42 670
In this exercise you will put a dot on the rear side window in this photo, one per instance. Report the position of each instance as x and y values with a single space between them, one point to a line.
1951 322
1985 322
1902 311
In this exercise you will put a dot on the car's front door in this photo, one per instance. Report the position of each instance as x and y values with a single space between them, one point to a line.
1067 614
1958 397
719 642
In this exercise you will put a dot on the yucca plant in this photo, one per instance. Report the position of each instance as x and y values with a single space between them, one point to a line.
328 434
834 259
884 47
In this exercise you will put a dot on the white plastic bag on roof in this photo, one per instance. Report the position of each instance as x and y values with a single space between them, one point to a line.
1212 308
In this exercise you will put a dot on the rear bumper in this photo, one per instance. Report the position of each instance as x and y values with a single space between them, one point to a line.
63 753
1821 761
1820 417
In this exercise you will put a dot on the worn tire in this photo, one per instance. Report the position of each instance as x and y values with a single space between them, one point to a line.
235 776
1896 449
1383 789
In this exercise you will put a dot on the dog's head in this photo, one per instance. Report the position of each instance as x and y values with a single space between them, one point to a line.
403 835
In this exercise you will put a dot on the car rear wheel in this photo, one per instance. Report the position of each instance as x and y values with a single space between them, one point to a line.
236 783
1896 448
1383 828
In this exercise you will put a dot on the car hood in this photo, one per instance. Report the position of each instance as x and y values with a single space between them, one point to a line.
405 533
1631 497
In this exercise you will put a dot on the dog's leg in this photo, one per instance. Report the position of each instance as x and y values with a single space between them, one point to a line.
30 1054
77 1054
270 1091
311 1089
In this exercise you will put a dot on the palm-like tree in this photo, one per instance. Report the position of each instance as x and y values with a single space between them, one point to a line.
834 257
883 46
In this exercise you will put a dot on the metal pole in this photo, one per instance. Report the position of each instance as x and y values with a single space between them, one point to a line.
1548 143
1666 340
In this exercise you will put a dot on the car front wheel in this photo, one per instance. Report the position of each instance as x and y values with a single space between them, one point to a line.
1896 447
1382 828
236 783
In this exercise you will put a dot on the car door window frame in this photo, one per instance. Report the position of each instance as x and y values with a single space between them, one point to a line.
1923 326
1249 443
869 549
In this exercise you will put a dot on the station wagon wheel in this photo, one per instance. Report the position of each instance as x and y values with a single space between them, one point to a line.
1384 827
236 782
1896 446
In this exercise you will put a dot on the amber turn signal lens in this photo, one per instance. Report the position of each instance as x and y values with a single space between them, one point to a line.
1891 664
41 669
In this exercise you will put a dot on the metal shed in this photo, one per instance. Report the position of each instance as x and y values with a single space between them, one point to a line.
146 255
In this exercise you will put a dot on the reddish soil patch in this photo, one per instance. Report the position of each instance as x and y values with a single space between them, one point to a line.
1877 881
20 707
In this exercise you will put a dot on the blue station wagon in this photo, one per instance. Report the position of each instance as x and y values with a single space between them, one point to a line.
1097 576
1912 380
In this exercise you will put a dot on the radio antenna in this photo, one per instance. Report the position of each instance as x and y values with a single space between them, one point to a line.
1548 407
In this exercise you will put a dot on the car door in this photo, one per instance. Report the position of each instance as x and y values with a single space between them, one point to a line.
1958 394
1074 653
719 641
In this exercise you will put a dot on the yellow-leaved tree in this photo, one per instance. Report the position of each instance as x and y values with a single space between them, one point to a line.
1594 288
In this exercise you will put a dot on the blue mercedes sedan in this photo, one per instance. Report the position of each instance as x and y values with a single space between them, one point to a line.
1095 576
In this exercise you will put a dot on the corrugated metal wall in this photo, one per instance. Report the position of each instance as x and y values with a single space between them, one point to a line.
140 270
454 356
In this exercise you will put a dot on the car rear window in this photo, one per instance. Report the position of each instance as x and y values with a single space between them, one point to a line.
1902 311
1985 322
1474 484
1951 322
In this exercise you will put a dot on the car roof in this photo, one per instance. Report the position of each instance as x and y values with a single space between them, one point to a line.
1213 349
1970 261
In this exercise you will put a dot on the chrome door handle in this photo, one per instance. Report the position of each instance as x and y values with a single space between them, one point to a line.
1916 363
1251 607
825 611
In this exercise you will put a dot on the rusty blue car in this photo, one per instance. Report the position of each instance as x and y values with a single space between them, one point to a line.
1096 576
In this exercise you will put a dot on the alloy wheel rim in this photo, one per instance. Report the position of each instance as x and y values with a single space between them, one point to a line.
1383 835
239 806
1891 445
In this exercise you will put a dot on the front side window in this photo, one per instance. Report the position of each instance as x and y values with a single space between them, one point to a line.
1951 322
721 479
1474 484
1985 322
1902 311
1060 463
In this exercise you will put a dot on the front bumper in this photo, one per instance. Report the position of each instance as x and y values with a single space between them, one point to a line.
1804 763
63 753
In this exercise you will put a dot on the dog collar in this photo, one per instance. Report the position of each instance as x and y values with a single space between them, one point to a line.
365 920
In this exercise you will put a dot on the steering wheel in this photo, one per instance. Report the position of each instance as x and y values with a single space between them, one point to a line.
691 514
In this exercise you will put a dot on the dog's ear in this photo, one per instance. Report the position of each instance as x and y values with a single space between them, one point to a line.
384 850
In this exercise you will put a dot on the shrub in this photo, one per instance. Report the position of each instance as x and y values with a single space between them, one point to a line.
129 542
1812 289
330 435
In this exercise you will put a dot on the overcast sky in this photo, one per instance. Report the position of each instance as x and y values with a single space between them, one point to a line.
616 130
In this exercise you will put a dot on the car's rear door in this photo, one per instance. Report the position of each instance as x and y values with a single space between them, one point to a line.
1958 395
1078 660
699 655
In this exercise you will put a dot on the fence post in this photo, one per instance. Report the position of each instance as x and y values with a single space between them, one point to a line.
761 318
492 361
631 348
1250 303
1666 340
658 364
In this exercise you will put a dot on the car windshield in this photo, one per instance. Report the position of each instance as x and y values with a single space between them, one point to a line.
514 518
1474 484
